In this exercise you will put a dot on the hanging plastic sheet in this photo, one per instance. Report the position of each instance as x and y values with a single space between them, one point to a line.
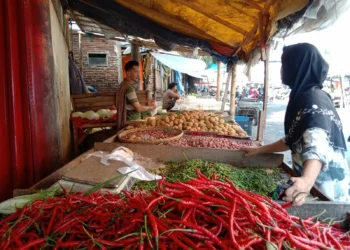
192 67
178 80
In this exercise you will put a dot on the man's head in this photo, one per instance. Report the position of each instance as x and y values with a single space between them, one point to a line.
172 86
132 71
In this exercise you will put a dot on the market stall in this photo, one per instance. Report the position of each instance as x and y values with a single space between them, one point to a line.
72 220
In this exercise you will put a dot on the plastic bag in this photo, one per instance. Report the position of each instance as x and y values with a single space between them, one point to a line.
126 155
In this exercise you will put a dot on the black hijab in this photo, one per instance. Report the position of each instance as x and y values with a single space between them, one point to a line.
304 70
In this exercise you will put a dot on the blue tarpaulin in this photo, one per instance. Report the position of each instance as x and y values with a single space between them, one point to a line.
178 80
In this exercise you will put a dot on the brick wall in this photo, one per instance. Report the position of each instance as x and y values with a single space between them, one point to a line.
103 78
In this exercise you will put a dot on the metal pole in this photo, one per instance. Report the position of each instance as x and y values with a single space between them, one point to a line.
218 82
233 90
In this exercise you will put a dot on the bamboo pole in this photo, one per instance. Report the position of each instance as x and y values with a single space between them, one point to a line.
218 82
233 90
226 90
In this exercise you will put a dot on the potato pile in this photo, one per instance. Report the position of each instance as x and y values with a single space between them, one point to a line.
197 121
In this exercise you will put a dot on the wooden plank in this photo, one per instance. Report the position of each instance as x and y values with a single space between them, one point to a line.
55 176
83 109
100 125
93 95
315 192
106 104
218 82
335 210
95 99
167 153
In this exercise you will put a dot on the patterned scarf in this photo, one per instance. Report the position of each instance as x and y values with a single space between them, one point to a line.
304 70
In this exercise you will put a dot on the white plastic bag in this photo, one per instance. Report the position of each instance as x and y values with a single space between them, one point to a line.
126 155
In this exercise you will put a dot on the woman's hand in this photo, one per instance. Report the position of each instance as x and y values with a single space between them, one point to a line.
251 151
298 192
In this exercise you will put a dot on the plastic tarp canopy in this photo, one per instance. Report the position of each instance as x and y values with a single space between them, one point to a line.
192 67
226 25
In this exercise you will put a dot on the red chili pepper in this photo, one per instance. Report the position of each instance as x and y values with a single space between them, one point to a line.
296 243
334 241
32 244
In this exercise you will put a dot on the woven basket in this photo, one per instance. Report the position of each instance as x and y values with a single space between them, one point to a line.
177 134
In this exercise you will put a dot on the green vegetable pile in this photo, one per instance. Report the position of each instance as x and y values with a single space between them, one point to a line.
257 180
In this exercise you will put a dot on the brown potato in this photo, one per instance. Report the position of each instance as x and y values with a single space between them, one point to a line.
172 118
176 122
167 120
171 124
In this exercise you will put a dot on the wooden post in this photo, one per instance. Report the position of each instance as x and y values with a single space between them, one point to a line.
343 98
218 82
263 113
226 90
80 55
135 52
233 90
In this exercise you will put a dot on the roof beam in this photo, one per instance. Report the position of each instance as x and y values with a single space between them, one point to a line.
76 19
253 4
204 12
184 25
247 38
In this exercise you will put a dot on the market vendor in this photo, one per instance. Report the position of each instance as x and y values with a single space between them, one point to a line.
313 130
128 106
170 97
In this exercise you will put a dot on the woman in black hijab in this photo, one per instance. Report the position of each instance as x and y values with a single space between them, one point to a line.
313 130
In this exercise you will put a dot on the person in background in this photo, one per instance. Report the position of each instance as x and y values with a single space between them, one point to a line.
170 97
128 106
261 90
313 130
253 93
244 93
238 94
76 81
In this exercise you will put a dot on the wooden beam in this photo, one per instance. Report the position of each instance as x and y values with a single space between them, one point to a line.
80 55
218 19
247 38
223 105
254 4
242 11
77 20
218 82
263 114
233 91
199 33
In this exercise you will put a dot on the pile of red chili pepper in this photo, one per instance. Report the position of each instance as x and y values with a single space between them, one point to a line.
199 214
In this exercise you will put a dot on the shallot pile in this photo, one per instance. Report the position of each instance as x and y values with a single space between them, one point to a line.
199 214
209 142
